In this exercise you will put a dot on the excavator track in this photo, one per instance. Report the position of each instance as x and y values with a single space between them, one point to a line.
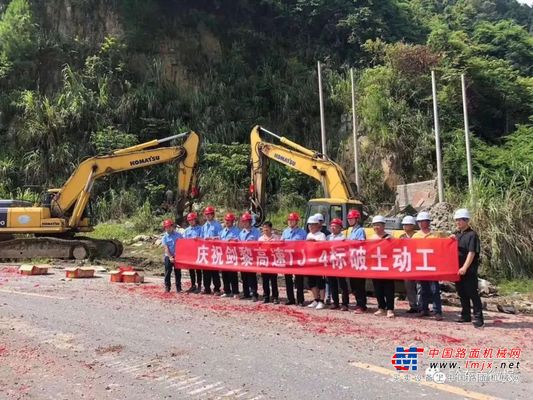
78 248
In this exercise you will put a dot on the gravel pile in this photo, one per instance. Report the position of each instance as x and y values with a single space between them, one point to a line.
442 217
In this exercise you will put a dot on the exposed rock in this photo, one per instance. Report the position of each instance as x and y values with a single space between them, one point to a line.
448 287
442 217
486 288
507 309
141 238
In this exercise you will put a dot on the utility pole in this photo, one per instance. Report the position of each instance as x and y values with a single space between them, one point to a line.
440 184
467 138
321 100
354 131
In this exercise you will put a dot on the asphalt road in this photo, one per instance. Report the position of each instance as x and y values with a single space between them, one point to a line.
90 339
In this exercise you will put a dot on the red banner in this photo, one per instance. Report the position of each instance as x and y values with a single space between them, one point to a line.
414 259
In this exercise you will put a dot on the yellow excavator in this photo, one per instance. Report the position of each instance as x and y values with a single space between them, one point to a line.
338 198
49 229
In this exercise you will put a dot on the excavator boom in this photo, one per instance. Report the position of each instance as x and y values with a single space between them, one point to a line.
314 164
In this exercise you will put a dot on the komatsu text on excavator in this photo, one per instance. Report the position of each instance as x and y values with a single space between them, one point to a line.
62 212
338 198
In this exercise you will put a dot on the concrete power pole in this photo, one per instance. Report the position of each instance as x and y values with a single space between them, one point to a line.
467 138
440 184
322 120
354 131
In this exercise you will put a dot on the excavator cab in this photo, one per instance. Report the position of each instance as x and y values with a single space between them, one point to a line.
332 208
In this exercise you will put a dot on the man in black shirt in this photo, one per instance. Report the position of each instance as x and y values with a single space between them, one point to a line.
467 287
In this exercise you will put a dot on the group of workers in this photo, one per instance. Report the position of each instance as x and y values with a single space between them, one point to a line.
326 290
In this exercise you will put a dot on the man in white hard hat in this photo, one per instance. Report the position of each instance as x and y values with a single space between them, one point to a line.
316 283
325 231
429 291
409 225
383 288
467 287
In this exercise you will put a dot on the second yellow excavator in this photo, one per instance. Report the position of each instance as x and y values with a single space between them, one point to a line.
62 212
338 198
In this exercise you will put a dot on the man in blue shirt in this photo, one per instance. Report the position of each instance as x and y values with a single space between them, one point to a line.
358 285
230 279
194 231
249 279
293 232
211 230
169 247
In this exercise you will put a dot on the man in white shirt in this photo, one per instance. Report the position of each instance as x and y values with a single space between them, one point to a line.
316 283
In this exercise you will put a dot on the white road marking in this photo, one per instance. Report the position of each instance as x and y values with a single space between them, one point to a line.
187 381
191 385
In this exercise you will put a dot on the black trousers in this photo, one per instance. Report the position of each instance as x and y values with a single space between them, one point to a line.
249 284
297 281
467 289
169 266
358 286
230 282
384 290
335 284
196 277
214 277
268 280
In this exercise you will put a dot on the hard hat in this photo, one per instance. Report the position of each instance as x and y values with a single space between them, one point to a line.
209 210
246 217
378 219
408 220
293 216
229 217
461 213
336 221
423 216
168 223
192 216
319 216
354 214
313 220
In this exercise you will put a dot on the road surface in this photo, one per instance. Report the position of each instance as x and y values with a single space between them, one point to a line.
92 339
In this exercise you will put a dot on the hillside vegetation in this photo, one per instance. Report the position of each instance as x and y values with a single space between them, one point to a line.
79 78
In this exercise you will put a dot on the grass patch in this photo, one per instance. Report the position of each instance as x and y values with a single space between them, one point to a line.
113 230
516 286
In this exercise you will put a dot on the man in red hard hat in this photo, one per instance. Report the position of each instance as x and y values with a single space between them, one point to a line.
211 230
293 232
169 247
191 232
358 285
230 279
338 282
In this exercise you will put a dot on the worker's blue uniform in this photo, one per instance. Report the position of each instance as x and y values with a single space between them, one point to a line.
211 230
291 234
230 279
358 285
169 240
249 279
193 232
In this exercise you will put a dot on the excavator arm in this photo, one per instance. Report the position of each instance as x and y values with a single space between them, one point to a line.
71 200
316 165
